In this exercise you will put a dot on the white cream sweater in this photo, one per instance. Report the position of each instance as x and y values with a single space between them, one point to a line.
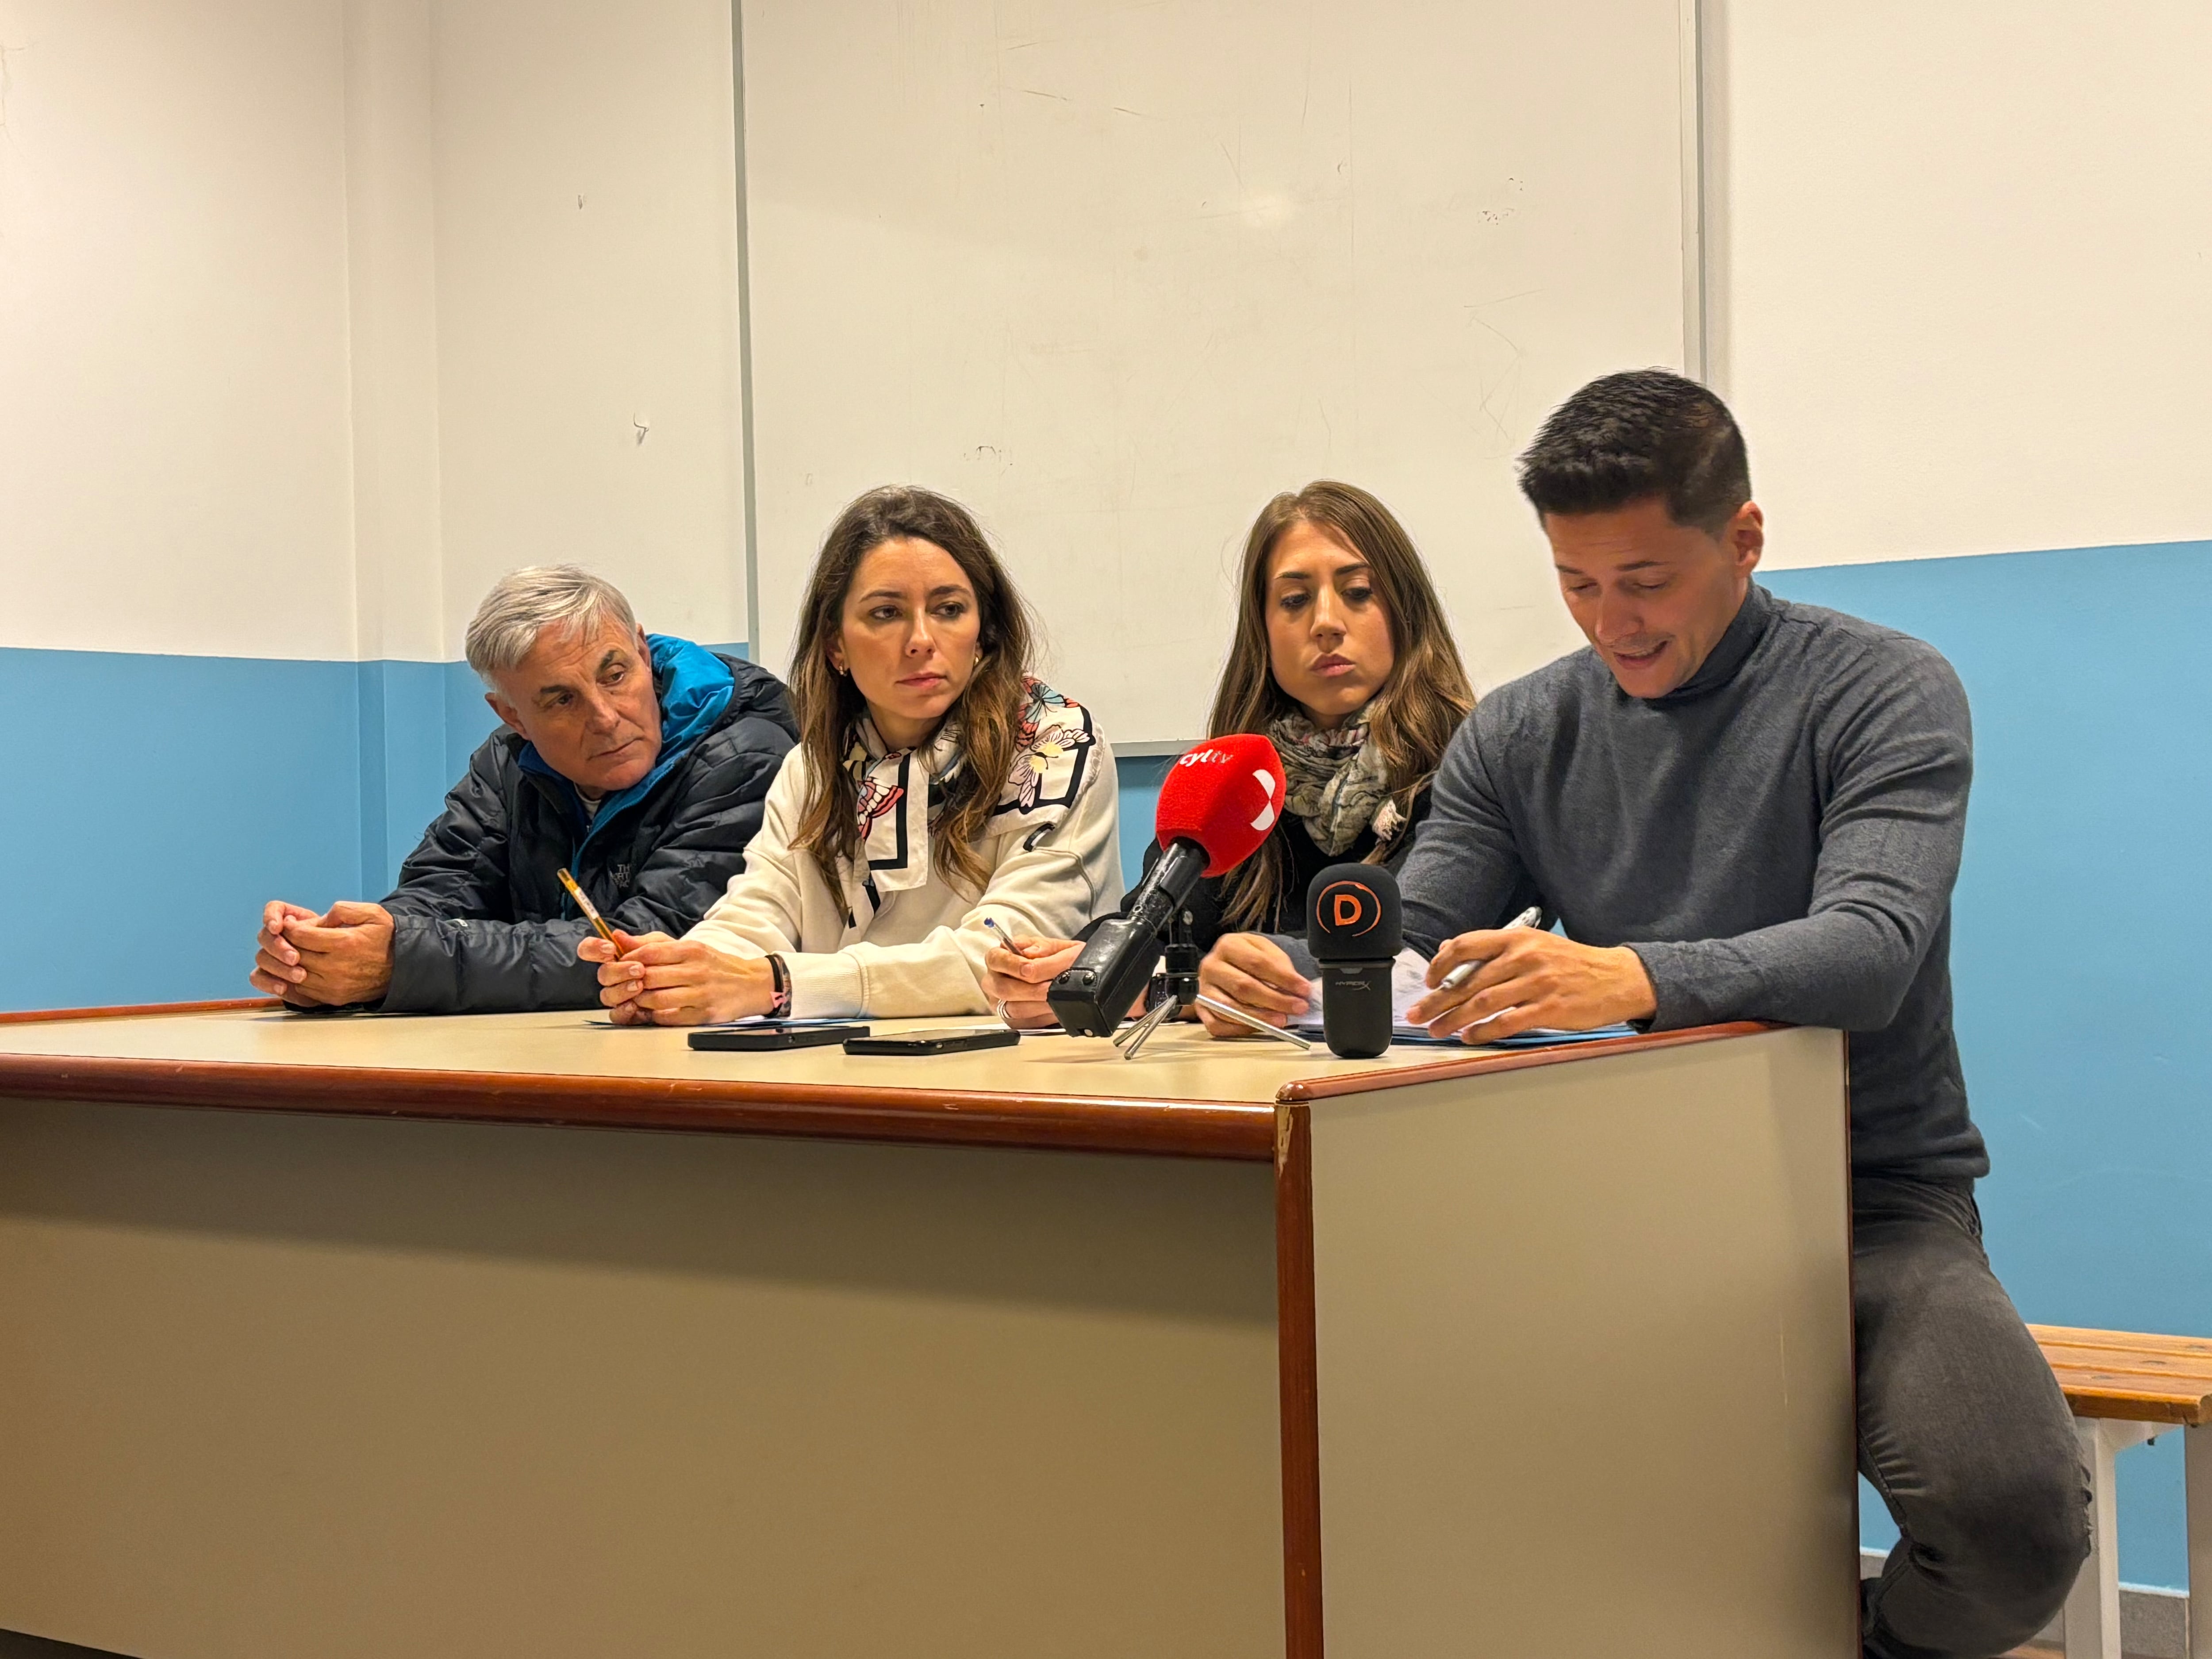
920 952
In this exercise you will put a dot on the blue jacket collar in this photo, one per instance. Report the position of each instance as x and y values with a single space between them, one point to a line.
694 687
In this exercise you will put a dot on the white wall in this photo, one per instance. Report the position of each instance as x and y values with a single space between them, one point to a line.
587 225
304 336
174 451
391 171
1962 265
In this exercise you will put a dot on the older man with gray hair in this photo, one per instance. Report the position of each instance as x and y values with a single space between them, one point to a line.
637 762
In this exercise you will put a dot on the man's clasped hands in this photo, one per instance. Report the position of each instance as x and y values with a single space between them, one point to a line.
330 959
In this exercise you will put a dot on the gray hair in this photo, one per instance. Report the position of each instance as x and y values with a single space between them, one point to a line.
523 604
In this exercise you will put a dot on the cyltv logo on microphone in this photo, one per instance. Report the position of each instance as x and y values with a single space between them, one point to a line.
1271 783
1226 794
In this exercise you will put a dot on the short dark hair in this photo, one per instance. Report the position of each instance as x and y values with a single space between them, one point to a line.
1647 432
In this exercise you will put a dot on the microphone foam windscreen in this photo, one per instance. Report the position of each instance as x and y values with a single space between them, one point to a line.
1352 914
1226 794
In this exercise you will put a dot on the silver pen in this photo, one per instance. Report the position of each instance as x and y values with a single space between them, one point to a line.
1254 1023
1465 971
998 1008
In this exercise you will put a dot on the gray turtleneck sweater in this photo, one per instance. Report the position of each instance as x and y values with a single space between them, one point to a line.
1776 840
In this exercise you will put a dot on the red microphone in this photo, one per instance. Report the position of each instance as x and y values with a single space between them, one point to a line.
1217 804
1225 795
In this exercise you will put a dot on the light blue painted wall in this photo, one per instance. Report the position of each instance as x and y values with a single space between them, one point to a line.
163 799
419 721
1141 777
2078 958
157 801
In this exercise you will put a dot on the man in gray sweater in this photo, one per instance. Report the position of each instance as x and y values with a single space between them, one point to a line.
1740 808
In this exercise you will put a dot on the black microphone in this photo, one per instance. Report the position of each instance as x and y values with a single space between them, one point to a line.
1091 997
1355 929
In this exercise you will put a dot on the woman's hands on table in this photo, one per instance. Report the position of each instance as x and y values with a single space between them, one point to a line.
650 979
1019 970
1253 973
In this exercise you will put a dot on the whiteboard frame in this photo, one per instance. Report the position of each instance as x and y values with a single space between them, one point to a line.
1697 316
748 509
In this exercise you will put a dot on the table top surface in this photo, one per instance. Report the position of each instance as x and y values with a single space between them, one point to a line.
1186 1092
1180 1062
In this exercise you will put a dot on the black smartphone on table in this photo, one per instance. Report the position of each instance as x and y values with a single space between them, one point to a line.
755 1039
953 1040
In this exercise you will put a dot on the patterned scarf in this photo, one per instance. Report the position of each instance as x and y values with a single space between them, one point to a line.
898 789
902 791
1336 781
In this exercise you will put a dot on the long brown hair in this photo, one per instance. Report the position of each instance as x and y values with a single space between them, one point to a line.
829 705
1420 706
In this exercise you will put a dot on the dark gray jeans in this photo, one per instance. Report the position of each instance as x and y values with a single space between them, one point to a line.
1962 1431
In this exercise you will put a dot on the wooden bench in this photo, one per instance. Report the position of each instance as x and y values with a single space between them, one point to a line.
2126 1388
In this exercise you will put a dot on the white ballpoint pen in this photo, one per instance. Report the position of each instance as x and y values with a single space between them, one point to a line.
1465 971
1461 974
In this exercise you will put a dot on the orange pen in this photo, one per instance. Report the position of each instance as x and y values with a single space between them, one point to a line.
591 913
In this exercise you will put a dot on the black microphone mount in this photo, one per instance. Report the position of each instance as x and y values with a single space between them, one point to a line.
1092 997
1179 992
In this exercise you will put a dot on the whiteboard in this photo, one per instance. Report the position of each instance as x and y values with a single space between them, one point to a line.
1114 275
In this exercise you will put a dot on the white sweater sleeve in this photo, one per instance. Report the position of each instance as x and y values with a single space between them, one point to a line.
1048 884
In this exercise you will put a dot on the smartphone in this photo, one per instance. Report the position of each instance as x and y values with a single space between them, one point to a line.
954 1040
751 1039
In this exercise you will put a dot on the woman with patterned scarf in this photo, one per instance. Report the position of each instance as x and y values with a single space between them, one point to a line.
937 786
1343 658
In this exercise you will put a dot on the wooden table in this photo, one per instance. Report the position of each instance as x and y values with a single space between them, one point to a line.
418 1337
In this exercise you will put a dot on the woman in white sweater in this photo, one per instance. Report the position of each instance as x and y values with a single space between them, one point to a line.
937 784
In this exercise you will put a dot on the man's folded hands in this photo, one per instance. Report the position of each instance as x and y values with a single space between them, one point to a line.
331 960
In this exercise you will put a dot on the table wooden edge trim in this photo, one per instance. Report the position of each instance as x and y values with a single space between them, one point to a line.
1297 1356
1208 1130
128 1010
1479 1063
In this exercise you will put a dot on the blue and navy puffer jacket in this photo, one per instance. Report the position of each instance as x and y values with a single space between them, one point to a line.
480 923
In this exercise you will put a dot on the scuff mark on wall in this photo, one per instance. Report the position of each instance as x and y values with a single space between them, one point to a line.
7 138
7 53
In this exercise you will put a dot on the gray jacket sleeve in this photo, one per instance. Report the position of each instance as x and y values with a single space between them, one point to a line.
1895 748
1464 871
452 950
